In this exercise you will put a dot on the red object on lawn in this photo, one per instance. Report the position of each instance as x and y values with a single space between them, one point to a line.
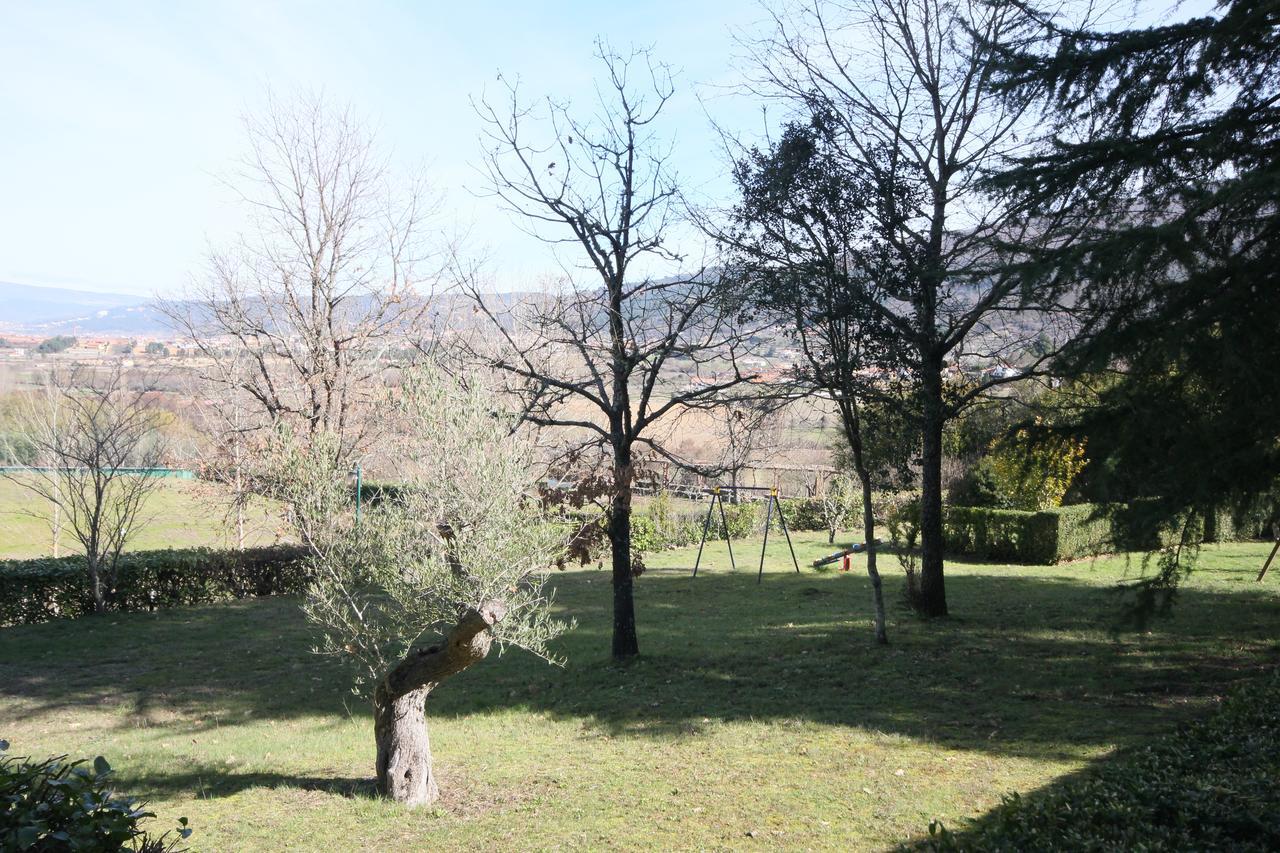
844 567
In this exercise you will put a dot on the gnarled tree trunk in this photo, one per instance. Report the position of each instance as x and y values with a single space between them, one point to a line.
399 706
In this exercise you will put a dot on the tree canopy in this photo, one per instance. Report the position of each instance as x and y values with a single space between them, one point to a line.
1162 161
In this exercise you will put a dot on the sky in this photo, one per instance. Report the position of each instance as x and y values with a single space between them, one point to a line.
119 121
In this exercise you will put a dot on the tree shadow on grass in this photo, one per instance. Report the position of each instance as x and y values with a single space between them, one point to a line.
1028 669
213 780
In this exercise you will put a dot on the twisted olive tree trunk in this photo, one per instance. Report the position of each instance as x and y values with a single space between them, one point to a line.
399 705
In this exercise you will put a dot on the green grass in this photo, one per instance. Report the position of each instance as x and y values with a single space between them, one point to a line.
180 514
758 717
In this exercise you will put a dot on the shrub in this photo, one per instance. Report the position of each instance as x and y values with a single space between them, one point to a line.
1226 524
980 486
53 805
57 587
17 449
742 519
644 535
902 518
1209 786
805 513
374 493
1033 472
58 343
660 527
1053 535
997 534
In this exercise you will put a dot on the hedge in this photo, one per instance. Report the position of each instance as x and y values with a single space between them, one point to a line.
58 587
1054 535
1209 786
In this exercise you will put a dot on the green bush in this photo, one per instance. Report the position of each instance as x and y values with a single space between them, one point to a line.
1054 535
17 449
58 343
980 487
1001 534
1225 524
1210 786
374 493
742 519
804 514
53 805
644 535
58 587
660 528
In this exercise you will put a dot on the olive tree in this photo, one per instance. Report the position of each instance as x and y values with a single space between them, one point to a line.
425 583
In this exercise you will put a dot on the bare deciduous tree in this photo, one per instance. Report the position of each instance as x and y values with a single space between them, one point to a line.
619 348
749 435
840 499
904 91
299 313
95 438
229 445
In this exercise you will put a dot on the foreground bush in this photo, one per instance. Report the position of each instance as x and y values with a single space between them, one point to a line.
56 587
53 805
1210 786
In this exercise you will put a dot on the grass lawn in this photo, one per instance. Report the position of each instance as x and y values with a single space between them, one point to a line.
180 514
758 717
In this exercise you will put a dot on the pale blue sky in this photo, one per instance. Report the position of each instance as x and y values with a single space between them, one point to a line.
116 118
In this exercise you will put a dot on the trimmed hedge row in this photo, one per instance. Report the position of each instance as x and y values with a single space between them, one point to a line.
1043 538
1067 533
1210 786
58 587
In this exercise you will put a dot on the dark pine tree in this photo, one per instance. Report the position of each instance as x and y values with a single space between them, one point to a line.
1162 165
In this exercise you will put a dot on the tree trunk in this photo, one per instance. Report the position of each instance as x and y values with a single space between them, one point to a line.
404 750
932 600
404 766
869 537
853 433
625 644
95 585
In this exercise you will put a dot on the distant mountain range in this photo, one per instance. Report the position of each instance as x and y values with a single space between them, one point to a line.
58 310
52 311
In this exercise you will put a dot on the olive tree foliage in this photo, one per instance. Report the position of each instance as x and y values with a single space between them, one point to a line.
90 431
334 269
426 581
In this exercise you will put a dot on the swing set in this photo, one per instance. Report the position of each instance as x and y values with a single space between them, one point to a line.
717 499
